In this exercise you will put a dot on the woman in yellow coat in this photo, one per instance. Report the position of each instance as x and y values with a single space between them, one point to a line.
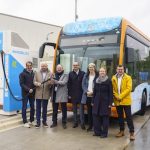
122 87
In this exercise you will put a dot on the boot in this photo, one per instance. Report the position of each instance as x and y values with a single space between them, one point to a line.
120 134
132 137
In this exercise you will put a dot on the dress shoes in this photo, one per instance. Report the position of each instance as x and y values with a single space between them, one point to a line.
89 129
103 136
64 126
75 125
53 125
83 127
96 134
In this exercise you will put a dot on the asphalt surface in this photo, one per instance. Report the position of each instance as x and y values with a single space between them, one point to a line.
21 138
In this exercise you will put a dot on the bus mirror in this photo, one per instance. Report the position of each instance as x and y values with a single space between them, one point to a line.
61 52
41 51
42 48
129 55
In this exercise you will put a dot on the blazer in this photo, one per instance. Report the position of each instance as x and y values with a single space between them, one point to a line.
42 92
75 86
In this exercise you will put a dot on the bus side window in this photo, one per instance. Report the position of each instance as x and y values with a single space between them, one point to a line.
131 59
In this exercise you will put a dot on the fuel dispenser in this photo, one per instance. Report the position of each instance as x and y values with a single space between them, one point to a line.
14 54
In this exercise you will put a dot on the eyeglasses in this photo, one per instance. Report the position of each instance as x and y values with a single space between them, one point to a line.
28 65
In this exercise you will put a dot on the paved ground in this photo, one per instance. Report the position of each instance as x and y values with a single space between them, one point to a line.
4 117
69 139
142 139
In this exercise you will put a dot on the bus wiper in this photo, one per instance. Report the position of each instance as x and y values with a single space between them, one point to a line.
84 49
100 45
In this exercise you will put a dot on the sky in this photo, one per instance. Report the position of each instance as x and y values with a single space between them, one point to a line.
60 12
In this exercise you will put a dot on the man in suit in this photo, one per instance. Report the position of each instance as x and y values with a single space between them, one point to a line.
75 89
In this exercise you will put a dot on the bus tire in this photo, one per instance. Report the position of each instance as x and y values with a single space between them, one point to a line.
143 104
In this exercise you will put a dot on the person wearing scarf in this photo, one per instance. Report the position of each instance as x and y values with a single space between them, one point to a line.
60 96
102 101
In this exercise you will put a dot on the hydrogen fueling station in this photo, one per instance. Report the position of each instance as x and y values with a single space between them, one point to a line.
14 54
20 40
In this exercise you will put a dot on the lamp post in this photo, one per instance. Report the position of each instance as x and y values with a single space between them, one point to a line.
76 15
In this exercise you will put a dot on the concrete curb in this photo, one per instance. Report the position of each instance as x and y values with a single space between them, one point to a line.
14 121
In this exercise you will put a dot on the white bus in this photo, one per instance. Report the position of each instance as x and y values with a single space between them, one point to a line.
107 42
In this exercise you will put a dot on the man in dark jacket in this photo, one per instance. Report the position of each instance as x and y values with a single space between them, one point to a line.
28 93
75 89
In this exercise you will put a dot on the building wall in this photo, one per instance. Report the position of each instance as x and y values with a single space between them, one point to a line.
33 33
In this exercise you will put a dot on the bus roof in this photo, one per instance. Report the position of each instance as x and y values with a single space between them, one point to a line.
92 26
127 23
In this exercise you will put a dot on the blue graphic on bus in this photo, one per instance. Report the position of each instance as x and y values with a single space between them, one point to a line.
92 26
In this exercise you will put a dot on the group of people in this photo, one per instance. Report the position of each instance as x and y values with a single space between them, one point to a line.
92 90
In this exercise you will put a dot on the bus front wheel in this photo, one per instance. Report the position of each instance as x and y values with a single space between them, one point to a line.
143 104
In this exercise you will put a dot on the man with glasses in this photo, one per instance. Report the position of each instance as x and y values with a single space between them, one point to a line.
28 93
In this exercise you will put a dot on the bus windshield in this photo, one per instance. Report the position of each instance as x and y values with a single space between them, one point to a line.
106 56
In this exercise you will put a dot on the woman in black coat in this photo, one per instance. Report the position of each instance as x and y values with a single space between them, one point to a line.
102 101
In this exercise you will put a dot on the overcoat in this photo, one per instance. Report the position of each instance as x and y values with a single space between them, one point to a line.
75 86
102 98
62 89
